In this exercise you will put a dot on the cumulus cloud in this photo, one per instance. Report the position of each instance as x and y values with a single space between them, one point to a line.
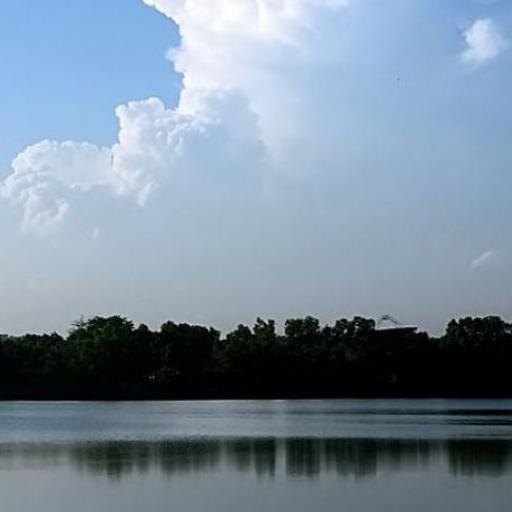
234 56
280 21
265 49
253 98
484 42
484 259
45 175
156 146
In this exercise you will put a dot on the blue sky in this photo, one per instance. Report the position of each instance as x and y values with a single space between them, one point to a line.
327 157
67 64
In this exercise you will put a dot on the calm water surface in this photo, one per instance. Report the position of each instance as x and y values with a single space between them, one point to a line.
327 455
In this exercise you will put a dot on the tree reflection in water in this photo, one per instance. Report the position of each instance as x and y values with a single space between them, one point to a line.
264 458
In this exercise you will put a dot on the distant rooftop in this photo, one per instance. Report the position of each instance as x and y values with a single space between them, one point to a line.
388 324
397 328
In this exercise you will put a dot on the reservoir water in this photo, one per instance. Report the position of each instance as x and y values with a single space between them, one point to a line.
321 455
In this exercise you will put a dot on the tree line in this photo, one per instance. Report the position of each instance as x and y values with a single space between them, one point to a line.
111 358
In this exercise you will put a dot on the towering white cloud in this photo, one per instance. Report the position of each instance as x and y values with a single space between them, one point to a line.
254 94
159 145
241 62
484 42
272 52
156 146
45 176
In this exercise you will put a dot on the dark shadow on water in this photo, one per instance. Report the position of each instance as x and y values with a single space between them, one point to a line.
265 458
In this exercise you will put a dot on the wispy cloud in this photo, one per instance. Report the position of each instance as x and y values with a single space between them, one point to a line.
484 42
484 259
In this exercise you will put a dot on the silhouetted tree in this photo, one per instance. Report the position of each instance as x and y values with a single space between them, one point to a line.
103 348
186 349
110 357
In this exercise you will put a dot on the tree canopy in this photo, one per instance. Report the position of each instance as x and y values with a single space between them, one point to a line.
112 358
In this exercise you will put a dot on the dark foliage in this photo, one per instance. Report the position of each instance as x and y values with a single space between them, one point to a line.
111 358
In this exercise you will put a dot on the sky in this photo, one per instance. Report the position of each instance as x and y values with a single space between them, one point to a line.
212 161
